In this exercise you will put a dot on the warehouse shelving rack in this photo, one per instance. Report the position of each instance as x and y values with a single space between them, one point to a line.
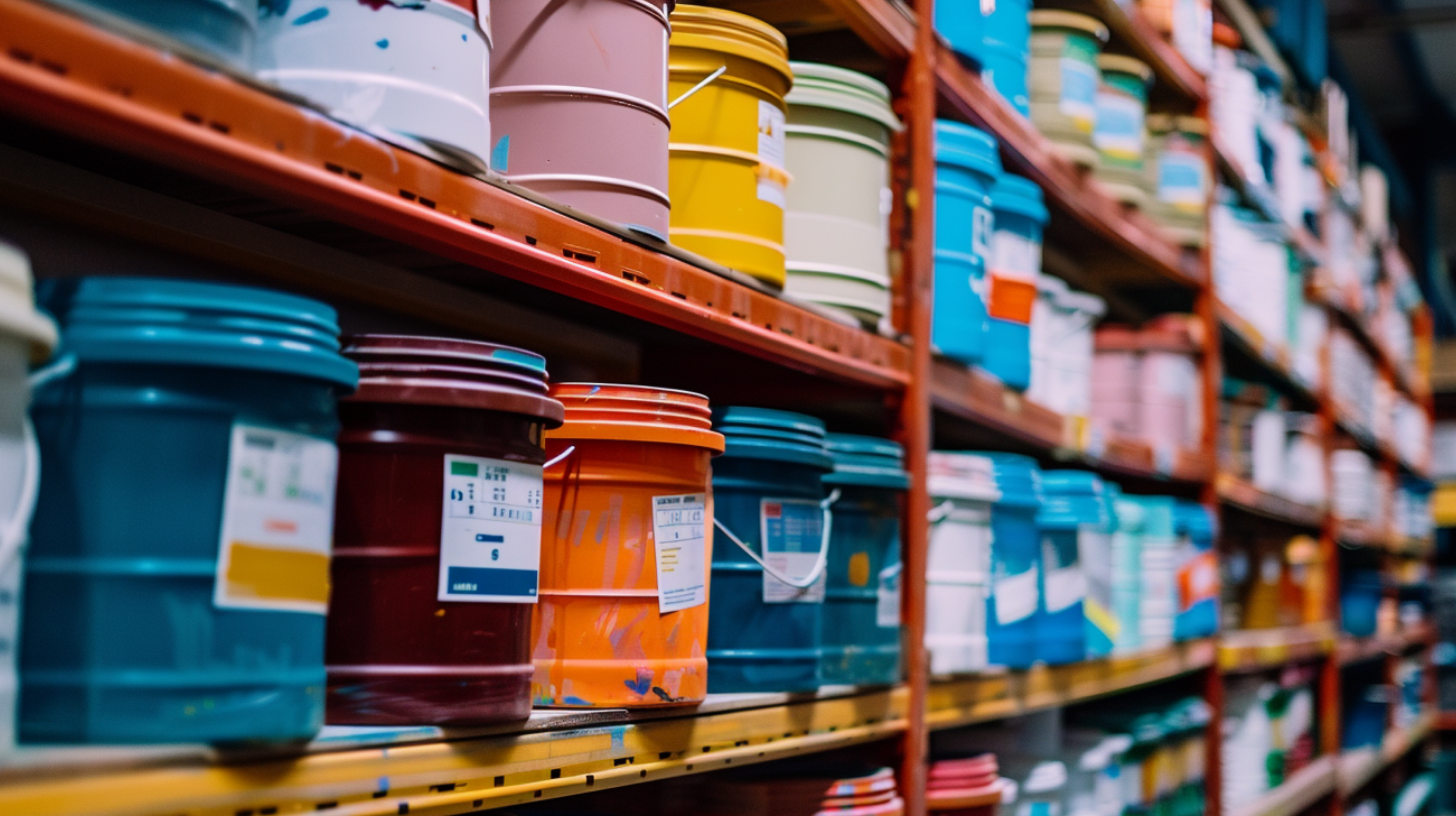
119 139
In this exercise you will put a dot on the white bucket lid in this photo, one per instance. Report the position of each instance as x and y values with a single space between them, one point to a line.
1052 287
961 476
18 315
1086 302
1045 777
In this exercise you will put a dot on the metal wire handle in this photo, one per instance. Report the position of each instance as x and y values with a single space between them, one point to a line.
707 80
819 564
560 457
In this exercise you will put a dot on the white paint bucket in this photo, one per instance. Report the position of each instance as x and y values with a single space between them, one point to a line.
958 566
25 336
419 69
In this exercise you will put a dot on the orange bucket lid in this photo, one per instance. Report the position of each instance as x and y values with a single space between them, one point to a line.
635 413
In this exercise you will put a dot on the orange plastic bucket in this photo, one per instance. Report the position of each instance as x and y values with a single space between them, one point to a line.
626 543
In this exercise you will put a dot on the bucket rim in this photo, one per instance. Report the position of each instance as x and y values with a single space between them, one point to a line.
1067 21
772 49
1123 64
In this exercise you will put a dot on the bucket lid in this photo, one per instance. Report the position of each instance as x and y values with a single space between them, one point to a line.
151 320
1076 497
1164 123
1053 287
1072 483
782 436
964 146
961 476
733 33
18 315
1045 777
983 763
1086 303
635 413
451 372
1069 21
1119 64
867 460
1018 196
829 86
1018 477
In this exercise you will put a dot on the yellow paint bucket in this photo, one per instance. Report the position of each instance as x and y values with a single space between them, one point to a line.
728 74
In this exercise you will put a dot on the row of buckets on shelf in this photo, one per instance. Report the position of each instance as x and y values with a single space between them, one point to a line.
690 124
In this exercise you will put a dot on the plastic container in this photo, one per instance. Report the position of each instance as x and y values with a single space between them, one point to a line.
1041 790
964 787
862 599
958 566
727 177
1064 79
1015 606
224 30
578 104
26 336
836 228
1159 568
1004 51
178 570
1077 523
421 69
1120 136
439 444
626 544
1012 274
1127 551
1360 593
766 634
1177 174
963 25
1198 572
966 168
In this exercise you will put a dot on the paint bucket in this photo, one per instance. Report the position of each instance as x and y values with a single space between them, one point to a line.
578 104
962 25
26 336
1360 593
727 157
1005 49
966 168
419 69
178 570
1116 379
623 615
1120 136
1011 292
862 598
836 228
438 531
1064 79
1158 566
765 633
1015 605
1176 171
958 564
223 29
1076 524
1198 575
1127 573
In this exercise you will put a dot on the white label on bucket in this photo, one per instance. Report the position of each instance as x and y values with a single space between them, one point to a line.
887 606
490 532
1079 88
1119 132
680 534
792 532
1015 596
1015 254
771 154
1181 176
277 522
983 229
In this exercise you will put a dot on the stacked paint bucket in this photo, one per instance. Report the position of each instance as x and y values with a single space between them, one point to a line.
964 787
728 74
1176 173
178 570
958 565
966 169
1064 79
996 38
416 73
1120 134
1014 607
623 615
836 228
1077 524
1011 291
861 639
438 532
26 337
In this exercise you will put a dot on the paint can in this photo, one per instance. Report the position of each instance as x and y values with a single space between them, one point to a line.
1064 78
958 564
1120 135
966 168
1005 50
1176 172
1076 524
1011 278
1015 605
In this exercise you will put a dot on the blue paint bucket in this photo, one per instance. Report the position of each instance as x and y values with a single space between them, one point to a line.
962 25
1014 607
862 600
1127 553
222 29
1004 52
178 571
1019 213
763 633
1076 524
1360 592
1198 574
966 167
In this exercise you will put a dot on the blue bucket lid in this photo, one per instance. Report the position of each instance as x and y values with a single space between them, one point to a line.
1018 196
867 460
1076 497
781 436
1017 477
1194 520
965 146
1158 514
149 320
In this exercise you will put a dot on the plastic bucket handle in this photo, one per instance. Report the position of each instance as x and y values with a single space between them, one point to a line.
819 564
13 536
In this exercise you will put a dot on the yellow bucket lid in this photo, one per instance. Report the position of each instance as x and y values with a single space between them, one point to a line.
1119 64
733 33
18 316
1165 123
1045 18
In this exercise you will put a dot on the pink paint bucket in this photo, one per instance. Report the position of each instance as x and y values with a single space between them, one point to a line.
579 104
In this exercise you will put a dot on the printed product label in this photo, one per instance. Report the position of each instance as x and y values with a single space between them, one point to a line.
1015 254
1079 83
983 231
679 533
1015 596
887 608
1181 178
1119 134
792 532
1065 583
490 535
277 522
772 179
1094 552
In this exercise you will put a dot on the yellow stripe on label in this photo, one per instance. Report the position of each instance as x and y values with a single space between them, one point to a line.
1101 618
267 573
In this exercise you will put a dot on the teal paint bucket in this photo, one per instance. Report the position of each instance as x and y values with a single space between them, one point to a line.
1127 551
178 570
763 633
1015 607
862 600
1077 524
222 29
